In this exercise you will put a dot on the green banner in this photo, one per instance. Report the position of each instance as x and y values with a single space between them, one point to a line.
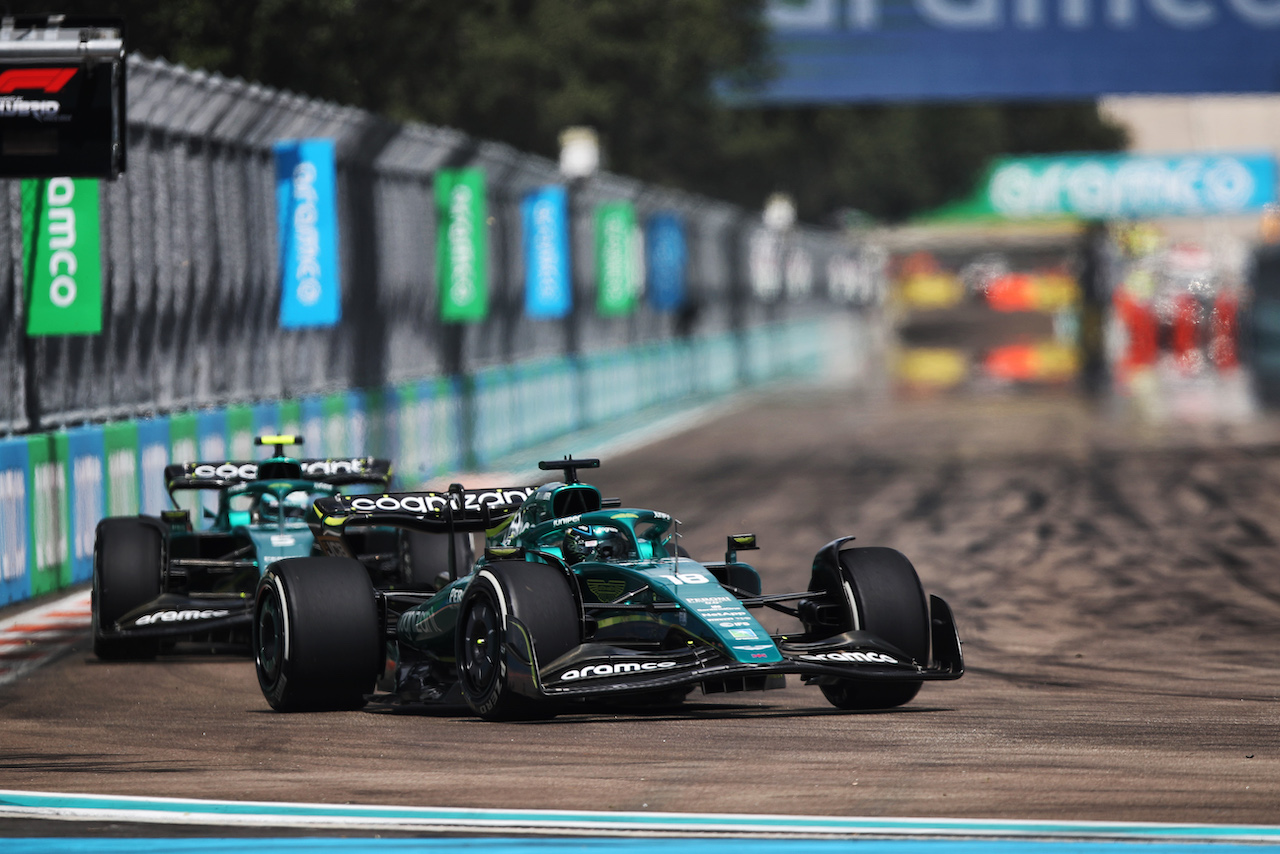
49 516
123 491
61 258
461 267
617 259
291 422
240 427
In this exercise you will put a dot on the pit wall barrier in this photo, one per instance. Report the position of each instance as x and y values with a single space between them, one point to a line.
55 487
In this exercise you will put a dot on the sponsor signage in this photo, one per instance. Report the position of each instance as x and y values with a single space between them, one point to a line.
186 616
1122 186
666 257
462 264
62 96
548 292
306 210
841 51
61 256
424 503
622 668
617 259
153 456
83 449
48 517
14 550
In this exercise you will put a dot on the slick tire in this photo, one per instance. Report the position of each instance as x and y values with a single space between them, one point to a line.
128 563
424 557
891 604
316 635
539 598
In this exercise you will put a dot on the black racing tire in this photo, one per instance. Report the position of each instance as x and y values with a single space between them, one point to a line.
539 596
424 557
128 570
316 635
891 604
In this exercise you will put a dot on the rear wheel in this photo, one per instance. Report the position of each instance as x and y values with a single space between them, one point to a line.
316 634
536 595
128 564
888 602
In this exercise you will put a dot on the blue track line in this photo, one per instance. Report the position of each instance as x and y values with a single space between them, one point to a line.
636 827
609 846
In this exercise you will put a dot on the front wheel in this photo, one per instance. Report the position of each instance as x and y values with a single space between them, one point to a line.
316 634
529 606
888 602
128 563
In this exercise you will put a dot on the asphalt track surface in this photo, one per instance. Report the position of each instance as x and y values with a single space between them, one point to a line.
1116 584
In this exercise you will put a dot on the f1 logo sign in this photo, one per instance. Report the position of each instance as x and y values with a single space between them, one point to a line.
48 80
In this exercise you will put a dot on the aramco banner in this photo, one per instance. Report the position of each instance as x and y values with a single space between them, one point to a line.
618 261
61 256
1122 186
843 51
548 291
461 265
665 261
307 219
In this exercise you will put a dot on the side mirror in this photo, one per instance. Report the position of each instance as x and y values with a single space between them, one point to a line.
737 543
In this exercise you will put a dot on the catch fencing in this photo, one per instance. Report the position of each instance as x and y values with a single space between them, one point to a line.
191 266
192 361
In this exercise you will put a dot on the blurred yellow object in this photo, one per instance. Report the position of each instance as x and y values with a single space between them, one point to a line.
931 290
1043 362
1139 239
1057 291
1047 292
1269 227
932 367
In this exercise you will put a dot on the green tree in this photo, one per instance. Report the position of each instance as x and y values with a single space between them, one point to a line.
642 72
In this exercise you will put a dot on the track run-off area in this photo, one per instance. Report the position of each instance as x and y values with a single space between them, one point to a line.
1116 583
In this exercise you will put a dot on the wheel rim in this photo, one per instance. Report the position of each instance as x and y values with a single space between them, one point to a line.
481 645
270 639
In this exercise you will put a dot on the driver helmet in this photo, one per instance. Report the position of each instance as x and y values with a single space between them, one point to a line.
599 543
294 506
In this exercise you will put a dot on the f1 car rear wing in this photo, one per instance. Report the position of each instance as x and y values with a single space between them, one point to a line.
223 473
456 511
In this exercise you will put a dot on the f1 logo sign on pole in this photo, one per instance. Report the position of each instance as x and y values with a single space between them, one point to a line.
308 231
61 254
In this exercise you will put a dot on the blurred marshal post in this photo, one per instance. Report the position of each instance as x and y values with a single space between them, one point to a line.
579 161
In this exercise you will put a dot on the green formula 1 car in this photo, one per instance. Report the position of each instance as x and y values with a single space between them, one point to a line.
157 580
577 598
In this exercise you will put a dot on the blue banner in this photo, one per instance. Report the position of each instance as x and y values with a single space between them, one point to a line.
307 219
153 456
845 51
266 420
86 455
548 292
312 409
667 256
15 552
211 444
